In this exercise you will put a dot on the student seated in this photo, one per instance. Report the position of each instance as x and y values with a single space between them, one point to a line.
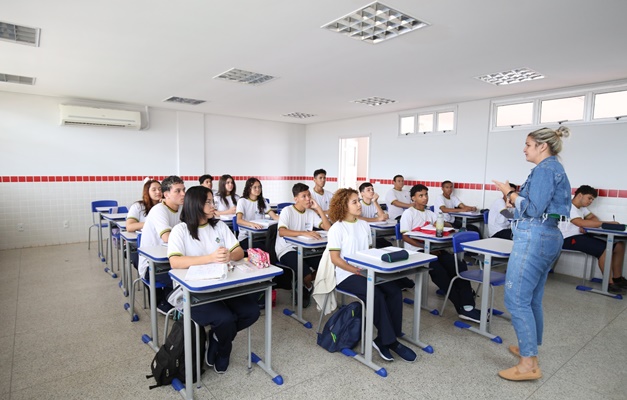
300 220
576 239
252 206
371 211
349 235
447 202
159 223
151 196
319 194
226 198
443 270
397 199
499 225
201 239
206 180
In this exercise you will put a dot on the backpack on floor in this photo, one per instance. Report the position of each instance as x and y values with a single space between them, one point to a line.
169 362
343 329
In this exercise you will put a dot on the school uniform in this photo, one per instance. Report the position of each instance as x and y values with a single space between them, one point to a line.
575 240
295 220
453 202
137 212
498 225
250 211
220 206
323 200
401 195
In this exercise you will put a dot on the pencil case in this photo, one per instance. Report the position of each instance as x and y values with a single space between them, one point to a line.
259 258
613 227
395 256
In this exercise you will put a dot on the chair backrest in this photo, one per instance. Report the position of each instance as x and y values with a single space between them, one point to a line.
103 203
281 206
139 239
397 232
485 216
462 237
432 208
235 226
122 209
267 201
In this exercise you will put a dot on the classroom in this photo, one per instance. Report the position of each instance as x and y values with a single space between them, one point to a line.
131 56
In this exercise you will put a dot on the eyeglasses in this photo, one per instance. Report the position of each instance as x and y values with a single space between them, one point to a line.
210 202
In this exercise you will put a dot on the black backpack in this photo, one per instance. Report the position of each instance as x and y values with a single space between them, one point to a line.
343 329
169 362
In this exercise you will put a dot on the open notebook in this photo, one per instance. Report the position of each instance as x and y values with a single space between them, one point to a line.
206 272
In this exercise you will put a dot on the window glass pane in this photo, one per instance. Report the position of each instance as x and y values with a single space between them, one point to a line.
566 109
446 121
514 114
608 105
408 125
425 123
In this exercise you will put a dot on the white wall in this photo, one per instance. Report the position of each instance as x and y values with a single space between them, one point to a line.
181 143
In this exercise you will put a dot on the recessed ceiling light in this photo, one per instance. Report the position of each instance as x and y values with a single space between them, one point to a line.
183 100
299 115
246 77
517 75
22 80
375 23
374 101
19 34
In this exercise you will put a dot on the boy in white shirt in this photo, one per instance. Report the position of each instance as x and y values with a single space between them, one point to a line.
443 270
397 199
499 226
371 211
156 231
447 202
300 220
576 239
319 194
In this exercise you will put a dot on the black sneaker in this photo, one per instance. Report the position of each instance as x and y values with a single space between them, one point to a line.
473 315
615 289
383 350
222 364
307 296
212 350
404 352
620 282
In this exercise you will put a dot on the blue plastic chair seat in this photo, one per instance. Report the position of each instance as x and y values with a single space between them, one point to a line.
476 275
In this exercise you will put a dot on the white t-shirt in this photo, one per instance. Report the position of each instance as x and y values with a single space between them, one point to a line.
294 220
323 200
368 210
400 195
497 221
220 205
137 212
413 218
568 228
250 211
348 238
440 201
161 219
210 238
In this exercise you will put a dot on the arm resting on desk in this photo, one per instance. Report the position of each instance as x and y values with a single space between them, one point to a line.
338 261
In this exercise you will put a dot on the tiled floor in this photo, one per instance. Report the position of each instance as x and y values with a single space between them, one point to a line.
64 335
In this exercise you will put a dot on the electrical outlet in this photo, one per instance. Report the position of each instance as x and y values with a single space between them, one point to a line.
66 224
20 227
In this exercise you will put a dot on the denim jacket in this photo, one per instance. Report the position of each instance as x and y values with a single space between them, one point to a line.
546 191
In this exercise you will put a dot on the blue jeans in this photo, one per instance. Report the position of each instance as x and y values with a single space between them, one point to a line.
537 244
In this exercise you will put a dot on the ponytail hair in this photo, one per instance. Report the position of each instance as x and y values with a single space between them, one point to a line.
553 138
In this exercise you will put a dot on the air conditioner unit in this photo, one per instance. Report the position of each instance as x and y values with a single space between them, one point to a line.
90 116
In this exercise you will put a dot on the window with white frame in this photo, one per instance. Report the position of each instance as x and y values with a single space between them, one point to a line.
610 105
423 122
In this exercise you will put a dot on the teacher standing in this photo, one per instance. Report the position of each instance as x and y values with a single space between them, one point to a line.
543 199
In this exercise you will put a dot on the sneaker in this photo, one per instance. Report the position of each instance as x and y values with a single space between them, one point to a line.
164 307
221 365
383 350
307 296
404 352
621 282
615 289
473 315
212 350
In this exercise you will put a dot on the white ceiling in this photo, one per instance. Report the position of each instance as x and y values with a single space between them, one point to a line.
143 51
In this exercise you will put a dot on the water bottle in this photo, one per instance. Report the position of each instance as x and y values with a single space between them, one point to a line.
439 225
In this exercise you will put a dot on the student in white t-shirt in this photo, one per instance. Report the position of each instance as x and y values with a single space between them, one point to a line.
576 239
443 270
159 223
349 235
151 196
300 219
499 225
447 202
250 207
371 211
319 194
397 199
201 239
226 198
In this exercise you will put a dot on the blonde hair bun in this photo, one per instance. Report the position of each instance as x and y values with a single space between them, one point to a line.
562 132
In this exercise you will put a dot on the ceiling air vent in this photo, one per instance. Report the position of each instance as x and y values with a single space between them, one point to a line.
22 80
183 100
245 77
19 34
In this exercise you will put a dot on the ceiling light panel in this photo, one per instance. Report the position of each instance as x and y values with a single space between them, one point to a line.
19 34
183 100
22 80
509 77
375 23
299 115
374 101
245 77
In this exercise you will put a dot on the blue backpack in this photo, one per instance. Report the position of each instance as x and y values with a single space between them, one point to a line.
343 329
